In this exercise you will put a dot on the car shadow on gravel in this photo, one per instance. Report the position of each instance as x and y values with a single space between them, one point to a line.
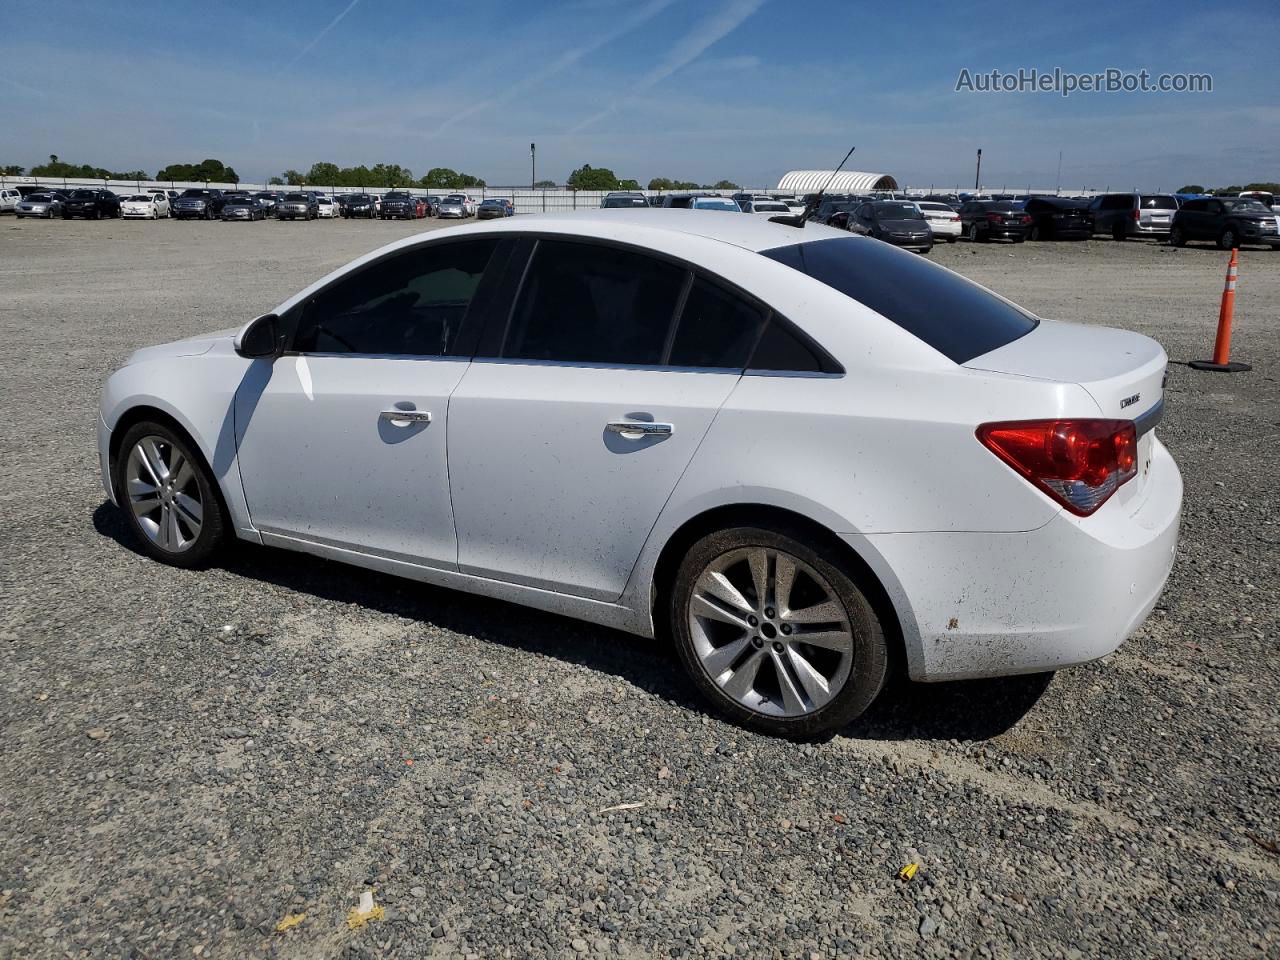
961 710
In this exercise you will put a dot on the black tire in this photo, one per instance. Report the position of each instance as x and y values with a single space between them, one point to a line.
972 232
1035 233
926 250
869 658
1228 239
213 526
1176 238
1118 231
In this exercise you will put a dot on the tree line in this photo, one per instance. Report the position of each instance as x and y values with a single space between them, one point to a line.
1272 188
379 175
587 177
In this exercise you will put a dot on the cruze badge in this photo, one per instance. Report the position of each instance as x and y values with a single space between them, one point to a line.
1130 401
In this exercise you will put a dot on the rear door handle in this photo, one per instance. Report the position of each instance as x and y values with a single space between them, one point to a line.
405 418
639 429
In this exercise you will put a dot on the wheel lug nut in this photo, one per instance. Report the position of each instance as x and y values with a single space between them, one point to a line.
768 612
786 628
777 646
752 620
757 642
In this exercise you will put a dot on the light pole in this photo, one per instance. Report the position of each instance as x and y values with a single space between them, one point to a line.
533 166
977 176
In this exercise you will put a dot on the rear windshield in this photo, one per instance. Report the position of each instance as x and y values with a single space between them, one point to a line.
715 203
1159 203
955 317
897 211
1245 203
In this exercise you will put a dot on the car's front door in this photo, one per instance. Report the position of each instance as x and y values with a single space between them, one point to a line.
567 439
345 444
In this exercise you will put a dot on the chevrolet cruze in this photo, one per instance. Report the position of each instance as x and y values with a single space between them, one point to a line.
807 457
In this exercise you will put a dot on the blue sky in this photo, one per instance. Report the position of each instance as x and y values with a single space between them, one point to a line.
696 89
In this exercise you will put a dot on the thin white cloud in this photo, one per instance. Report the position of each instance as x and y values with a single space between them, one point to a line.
23 87
690 47
562 62
321 35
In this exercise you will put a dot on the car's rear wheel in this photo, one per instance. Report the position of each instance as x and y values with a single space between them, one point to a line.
1117 231
169 498
973 232
1035 233
1176 238
1228 240
779 637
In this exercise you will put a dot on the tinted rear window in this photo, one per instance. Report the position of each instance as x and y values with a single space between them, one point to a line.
1159 203
957 318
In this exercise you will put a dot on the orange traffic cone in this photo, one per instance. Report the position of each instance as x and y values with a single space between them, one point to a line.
1221 362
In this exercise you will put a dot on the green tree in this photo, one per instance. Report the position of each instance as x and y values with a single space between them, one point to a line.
12 170
206 171
324 173
726 185
391 175
275 182
439 177
1191 188
293 178
628 185
543 184
587 177
661 183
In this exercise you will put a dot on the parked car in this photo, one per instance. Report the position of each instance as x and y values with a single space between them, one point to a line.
145 206
269 199
1123 215
700 201
495 207
469 205
432 203
359 205
452 208
43 205
1266 199
765 207
1058 218
297 206
797 207
198 203
943 219
984 220
898 222
621 200
1227 221
803 455
243 207
398 205
9 200
828 208
326 208
91 204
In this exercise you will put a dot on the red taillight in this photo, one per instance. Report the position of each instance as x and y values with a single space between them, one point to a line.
993 217
1079 463
1026 218
1137 214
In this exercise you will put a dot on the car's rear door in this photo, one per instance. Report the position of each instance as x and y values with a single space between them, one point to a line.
577 418
343 440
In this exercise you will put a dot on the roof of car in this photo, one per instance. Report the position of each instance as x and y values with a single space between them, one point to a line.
740 230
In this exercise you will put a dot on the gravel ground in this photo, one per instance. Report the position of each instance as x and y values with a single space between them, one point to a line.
190 758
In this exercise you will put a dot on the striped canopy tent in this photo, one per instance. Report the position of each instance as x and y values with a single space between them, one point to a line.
847 181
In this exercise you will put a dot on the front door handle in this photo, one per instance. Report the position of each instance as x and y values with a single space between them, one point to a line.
405 418
639 429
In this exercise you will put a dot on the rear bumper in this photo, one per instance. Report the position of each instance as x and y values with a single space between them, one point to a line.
1071 591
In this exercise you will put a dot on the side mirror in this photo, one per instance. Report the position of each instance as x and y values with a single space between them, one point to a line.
260 338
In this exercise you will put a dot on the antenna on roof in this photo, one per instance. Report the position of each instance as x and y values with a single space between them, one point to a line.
798 219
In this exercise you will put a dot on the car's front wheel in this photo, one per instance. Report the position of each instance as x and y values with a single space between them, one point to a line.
169 498
777 635
1228 239
1176 237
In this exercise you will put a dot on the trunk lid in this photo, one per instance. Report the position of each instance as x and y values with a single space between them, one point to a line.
1121 370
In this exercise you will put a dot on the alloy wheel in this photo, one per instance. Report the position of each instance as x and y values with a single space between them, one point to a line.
770 632
164 494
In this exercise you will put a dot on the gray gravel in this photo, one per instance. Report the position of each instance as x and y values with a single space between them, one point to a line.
191 757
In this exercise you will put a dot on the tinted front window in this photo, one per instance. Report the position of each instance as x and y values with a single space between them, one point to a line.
410 304
957 318
716 329
297 198
589 303
84 195
1246 205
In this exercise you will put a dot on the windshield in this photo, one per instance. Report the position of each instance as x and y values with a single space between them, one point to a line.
1159 203
297 198
715 203
397 196
769 205
83 195
956 317
1245 204
138 198
39 198
359 198
898 211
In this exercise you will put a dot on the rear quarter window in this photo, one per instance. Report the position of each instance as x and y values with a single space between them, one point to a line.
957 318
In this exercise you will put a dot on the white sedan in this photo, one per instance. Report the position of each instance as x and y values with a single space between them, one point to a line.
944 221
805 455
328 209
144 206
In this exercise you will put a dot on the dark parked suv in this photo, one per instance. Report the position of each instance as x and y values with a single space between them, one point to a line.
199 204
91 204
1058 218
398 205
992 219
1227 221
298 206
1122 215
